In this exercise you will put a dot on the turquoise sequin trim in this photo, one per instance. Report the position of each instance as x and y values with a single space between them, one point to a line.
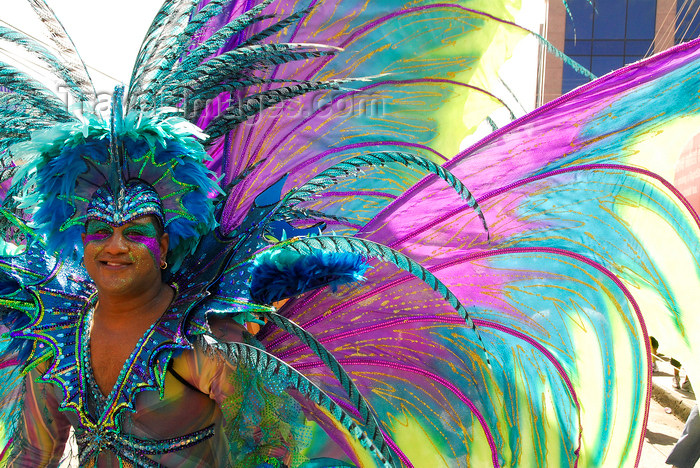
136 199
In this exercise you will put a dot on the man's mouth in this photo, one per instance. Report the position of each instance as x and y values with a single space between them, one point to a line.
112 264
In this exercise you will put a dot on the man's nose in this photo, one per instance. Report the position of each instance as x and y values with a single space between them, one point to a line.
116 243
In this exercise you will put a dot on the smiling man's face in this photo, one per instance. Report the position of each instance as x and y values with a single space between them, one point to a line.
124 260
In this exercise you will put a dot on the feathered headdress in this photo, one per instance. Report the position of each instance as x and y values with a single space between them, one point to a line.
65 166
57 161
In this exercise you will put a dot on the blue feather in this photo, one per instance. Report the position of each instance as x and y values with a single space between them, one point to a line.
278 274
162 152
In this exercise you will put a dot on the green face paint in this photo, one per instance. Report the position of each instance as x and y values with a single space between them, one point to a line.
147 235
144 234
97 231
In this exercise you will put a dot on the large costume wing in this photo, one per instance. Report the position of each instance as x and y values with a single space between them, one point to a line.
588 247
293 87
251 157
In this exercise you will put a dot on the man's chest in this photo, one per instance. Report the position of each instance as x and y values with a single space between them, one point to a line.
108 354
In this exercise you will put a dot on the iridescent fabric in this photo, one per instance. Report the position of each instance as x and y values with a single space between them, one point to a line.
184 426
588 247
503 321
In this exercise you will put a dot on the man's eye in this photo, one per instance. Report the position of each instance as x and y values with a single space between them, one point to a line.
133 234
101 232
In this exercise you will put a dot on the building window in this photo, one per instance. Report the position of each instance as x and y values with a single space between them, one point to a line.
607 35
687 20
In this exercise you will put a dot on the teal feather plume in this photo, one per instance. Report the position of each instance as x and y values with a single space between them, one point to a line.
220 37
279 274
28 121
13 106
570 15
198 21
22 115
168 23
372 427
32 90
46 110
43 54
350 166
367 248
578 68
259 55
163 15
275 28
8 138
178 72
182 43
116 148
255 103
541 39
224 73
194 93
75 65
290 214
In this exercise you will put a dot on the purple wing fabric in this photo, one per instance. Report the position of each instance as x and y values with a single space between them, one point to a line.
588 248
415 66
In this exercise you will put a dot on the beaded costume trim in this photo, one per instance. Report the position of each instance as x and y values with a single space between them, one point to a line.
63 324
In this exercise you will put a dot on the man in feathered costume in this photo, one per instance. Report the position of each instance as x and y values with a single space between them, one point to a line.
134 331
485 307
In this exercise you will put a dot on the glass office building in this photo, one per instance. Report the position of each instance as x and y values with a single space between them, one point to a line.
603 35
615 33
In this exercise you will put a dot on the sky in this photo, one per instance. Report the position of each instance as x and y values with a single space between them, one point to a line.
108 34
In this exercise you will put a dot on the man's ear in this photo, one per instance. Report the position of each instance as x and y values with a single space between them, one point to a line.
164 243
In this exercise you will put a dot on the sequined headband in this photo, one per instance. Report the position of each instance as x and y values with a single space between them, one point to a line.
135 199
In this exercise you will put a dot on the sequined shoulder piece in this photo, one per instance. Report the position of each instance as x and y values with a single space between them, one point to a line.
59 330
144 369
50 296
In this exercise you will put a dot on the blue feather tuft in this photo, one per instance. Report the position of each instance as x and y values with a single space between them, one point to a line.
65 164
279 274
